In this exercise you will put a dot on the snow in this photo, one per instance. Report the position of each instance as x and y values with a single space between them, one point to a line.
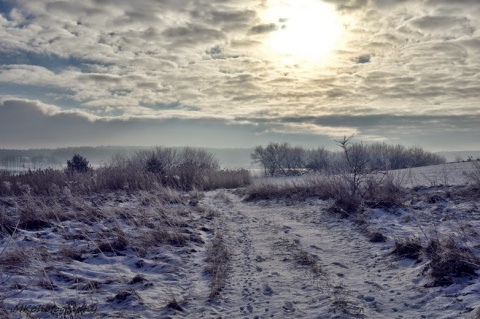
288 259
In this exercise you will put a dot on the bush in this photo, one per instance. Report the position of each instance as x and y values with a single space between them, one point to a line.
78 164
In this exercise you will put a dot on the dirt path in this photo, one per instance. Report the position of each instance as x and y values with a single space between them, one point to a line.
299 262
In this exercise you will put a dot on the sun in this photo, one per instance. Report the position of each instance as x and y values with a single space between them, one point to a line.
306 30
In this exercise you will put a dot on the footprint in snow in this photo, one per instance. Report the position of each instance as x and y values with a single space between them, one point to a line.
267 290
288 307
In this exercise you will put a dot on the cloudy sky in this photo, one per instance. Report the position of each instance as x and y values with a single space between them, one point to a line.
230 73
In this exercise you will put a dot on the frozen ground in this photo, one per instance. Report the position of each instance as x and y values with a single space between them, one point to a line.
288 259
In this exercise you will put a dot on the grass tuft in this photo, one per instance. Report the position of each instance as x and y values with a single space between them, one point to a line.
409 247
218 257
447 258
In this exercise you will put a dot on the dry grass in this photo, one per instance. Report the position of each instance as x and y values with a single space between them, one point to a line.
410 247
448 258
374 191
344 305
14 258
474 178
375 236
114 224
51 182
304 258
174 304
313 187
222 196
227 179
218 257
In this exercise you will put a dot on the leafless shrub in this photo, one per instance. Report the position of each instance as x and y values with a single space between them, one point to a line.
218 257
474 177
381 190
409 247
447 258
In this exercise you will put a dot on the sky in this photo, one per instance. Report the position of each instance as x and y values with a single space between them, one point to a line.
229 73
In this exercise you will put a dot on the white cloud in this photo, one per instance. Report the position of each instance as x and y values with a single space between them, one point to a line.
113 59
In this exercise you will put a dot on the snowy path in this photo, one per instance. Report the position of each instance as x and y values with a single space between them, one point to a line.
269 280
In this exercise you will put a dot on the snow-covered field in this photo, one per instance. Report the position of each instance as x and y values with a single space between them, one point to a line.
151 255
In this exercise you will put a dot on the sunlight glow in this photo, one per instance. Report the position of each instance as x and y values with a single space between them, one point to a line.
307 30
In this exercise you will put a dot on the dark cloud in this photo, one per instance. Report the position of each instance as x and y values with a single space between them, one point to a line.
363 59
32 124
192 34
349 5
263 28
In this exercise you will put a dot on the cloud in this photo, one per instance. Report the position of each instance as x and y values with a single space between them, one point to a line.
263 28
192 34
363 59
122 63
444 24
349 5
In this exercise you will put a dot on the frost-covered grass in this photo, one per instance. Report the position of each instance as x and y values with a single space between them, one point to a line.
117 253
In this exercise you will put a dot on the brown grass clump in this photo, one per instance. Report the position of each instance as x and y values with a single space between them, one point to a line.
162 236
14 258
410 247
375 236
317 187
218 257
72 253
227 179
303 258
117 244
447 258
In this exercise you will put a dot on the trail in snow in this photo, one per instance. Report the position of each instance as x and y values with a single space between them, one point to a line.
361 278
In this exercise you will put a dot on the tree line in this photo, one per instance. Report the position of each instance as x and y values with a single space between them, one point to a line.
285 159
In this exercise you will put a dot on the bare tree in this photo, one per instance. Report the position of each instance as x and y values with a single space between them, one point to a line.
356 157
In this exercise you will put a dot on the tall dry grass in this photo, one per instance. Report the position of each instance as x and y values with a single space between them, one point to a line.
51 182
375 190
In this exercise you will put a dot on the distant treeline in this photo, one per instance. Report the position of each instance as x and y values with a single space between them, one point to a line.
284 159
